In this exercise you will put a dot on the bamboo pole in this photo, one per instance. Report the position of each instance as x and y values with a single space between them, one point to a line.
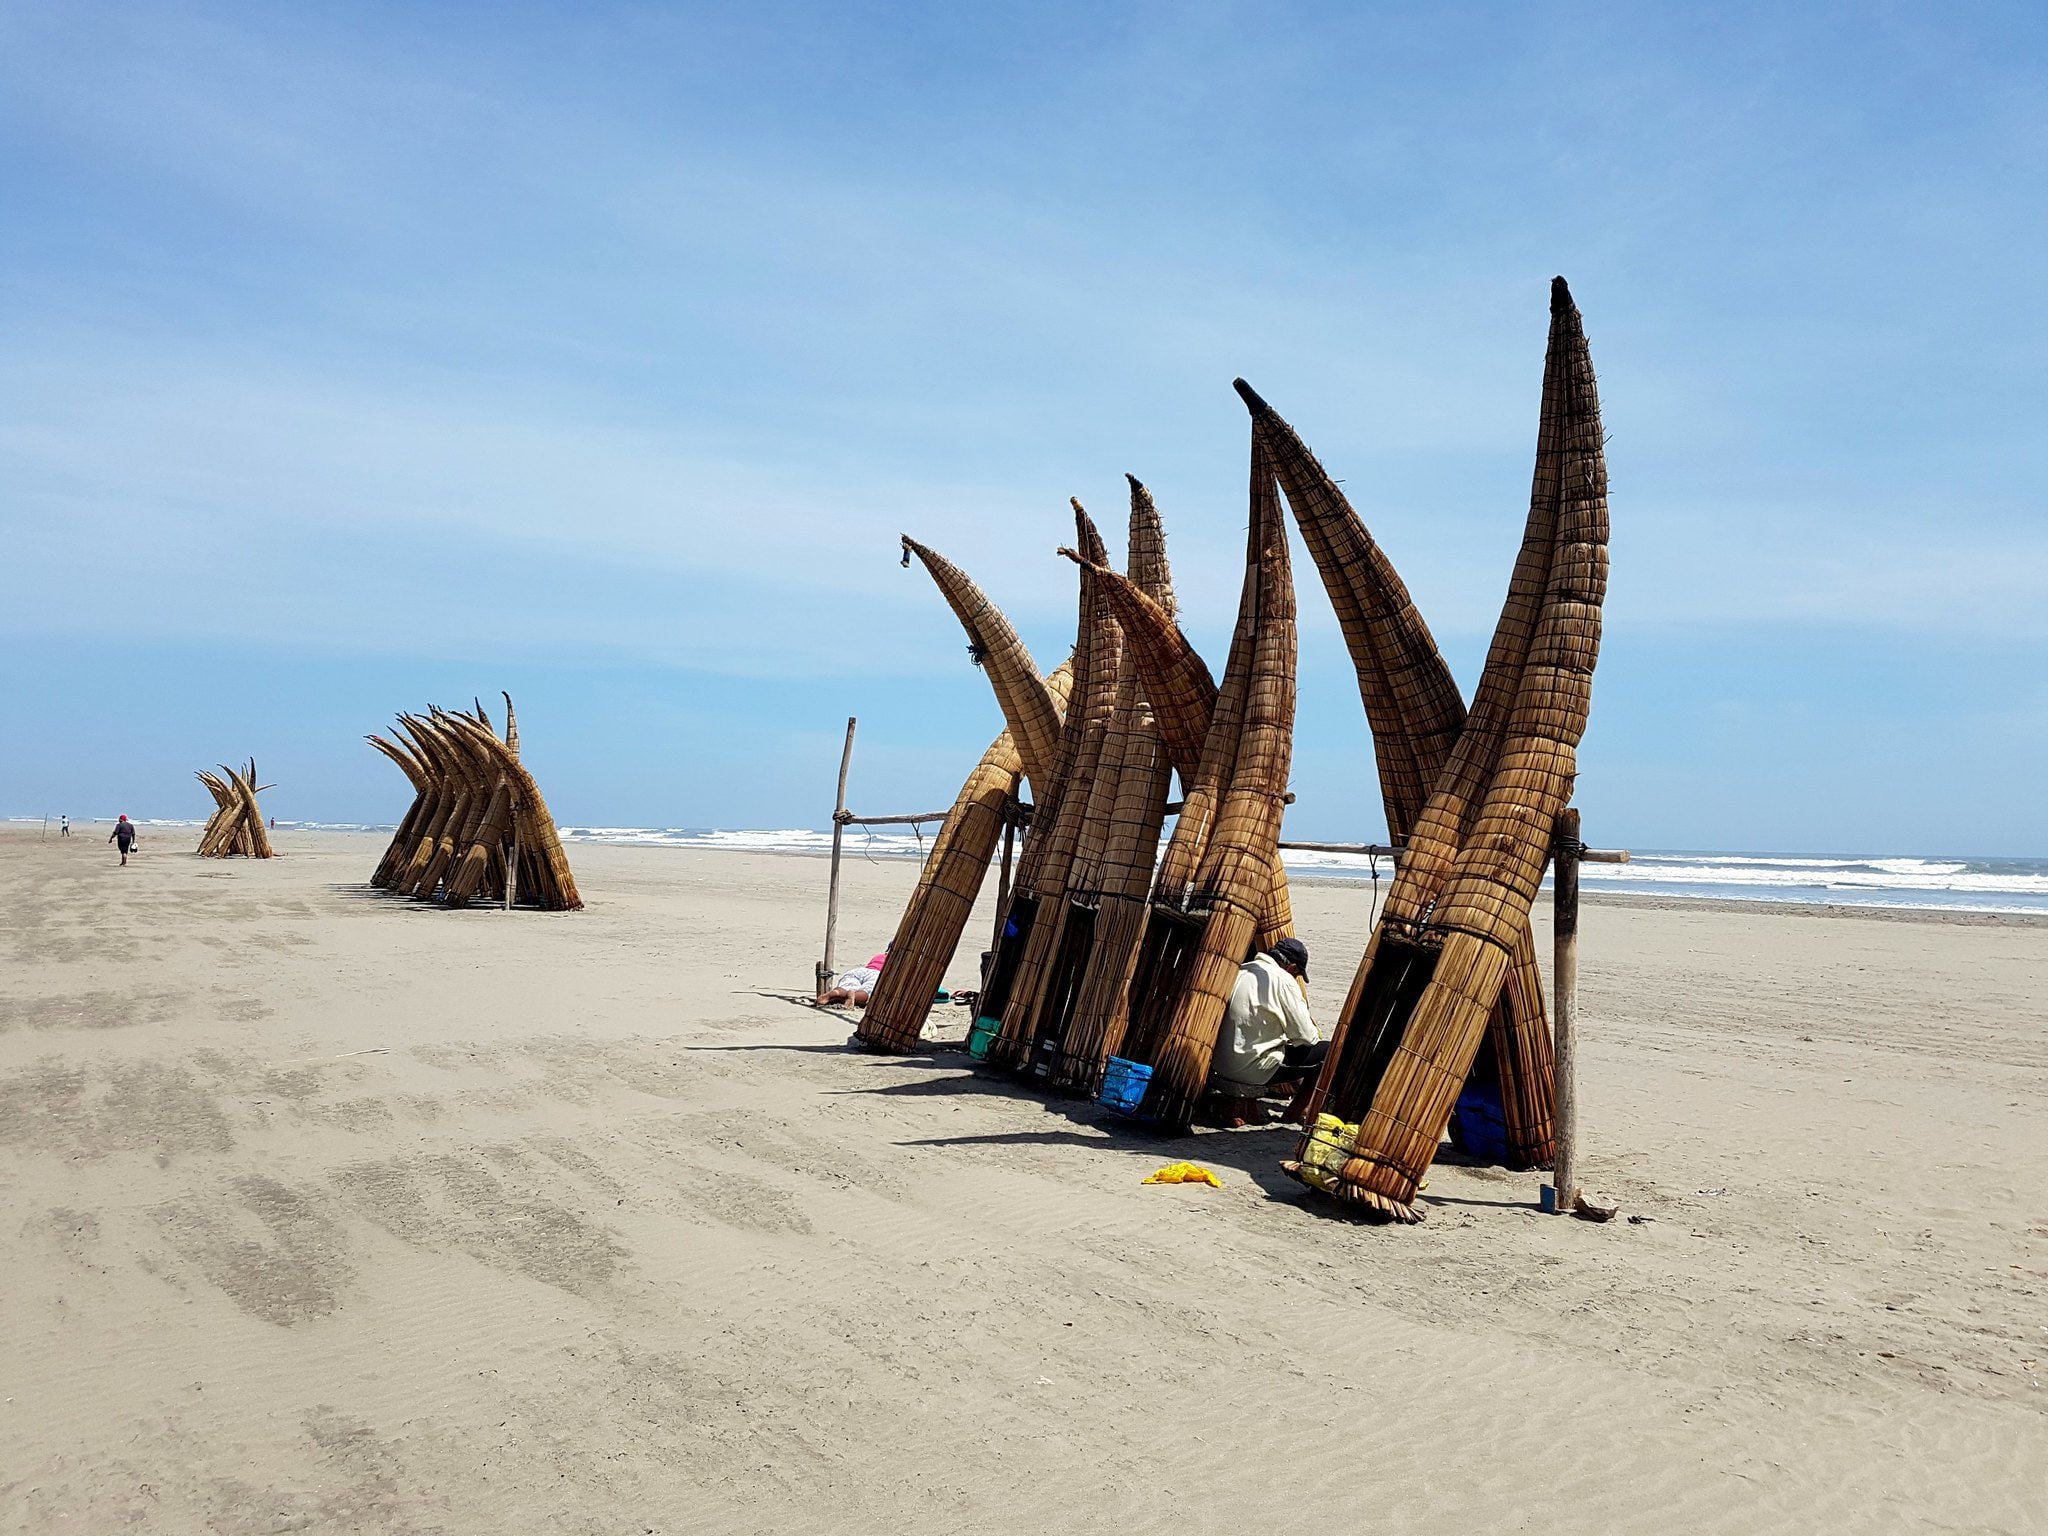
824 976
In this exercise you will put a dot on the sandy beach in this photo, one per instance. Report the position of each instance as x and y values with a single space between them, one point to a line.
326 1211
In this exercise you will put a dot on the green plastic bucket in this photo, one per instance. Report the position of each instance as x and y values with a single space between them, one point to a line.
982 1036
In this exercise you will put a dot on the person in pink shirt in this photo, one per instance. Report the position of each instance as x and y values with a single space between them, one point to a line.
851 988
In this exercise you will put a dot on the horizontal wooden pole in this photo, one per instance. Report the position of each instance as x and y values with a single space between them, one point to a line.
1603 855
1383 849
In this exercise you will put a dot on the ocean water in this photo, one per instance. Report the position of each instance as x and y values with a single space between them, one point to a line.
1880 880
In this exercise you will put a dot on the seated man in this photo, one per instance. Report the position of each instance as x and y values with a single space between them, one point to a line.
1268 1037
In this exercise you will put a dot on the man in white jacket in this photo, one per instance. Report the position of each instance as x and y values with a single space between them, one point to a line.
1268 1035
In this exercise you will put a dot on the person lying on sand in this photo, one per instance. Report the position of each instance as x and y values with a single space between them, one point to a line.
1269 1040
851 988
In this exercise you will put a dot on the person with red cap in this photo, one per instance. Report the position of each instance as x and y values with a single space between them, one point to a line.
123 835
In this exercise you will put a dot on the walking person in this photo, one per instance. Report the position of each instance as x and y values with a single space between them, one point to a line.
123 835
63 826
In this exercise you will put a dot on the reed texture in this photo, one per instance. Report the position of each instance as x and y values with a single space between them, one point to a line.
1027 705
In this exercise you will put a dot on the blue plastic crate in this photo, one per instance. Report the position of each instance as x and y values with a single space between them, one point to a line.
1123 1085
1479 1125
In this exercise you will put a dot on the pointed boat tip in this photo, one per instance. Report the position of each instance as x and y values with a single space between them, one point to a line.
1254 401
1560 295
1137 485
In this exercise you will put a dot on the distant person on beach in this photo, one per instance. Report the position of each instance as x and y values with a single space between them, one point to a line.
123 835
63 826
1269 1040
851 988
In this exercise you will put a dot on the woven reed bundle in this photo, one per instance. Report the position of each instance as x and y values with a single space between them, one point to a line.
484 788
1485 901
1177 684
465 808
1416 715
1066 835
1236 870
1411 700
1034 719
426 835
1083 1001
236 828
216 837
1383 995
422 876
422 790
1175 680
486 840
937 912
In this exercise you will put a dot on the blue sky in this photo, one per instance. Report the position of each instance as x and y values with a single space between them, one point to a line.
358 356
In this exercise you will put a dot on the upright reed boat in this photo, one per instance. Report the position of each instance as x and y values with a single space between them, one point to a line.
1216 877
1416 716
1447 943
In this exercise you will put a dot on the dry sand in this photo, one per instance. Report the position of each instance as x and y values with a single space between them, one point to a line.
328 1212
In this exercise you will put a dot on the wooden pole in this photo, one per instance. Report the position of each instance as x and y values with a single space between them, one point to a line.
1384 850
512 863
1564 977
824 976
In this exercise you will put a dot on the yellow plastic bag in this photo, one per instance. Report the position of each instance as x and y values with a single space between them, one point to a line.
1184 1173
1328 1149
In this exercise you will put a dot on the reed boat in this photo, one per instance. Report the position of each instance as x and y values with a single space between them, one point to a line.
422 793
236 826
1099 920
1182 692
1036 918
1034 717
936 915
1416 715
1216 876
1446 945
479 823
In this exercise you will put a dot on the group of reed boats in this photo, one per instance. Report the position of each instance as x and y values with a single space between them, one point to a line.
236 827
1116 959
478 828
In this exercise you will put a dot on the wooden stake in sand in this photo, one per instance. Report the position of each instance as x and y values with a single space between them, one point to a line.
1567 854
1564 977
838 834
